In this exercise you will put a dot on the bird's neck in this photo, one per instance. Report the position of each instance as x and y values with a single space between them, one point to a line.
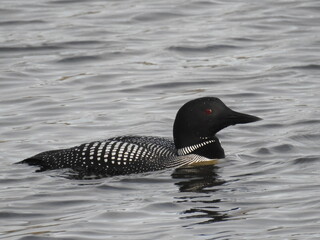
206 147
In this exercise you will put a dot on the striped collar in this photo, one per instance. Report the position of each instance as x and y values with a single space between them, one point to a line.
190 149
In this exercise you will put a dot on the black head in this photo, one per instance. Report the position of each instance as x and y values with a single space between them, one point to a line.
202 118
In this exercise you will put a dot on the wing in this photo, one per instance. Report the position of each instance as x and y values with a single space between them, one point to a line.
115 156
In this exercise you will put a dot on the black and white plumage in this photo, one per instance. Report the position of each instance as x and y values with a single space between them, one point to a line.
194 141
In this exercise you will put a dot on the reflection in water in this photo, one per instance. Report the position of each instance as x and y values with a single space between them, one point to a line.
211 216
200 179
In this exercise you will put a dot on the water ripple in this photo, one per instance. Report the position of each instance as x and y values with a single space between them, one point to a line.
79 71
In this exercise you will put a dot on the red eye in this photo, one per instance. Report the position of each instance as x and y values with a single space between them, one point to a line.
208 111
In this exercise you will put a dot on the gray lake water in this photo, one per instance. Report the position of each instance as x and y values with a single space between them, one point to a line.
78 71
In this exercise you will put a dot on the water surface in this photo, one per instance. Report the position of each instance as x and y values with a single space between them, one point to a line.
78 71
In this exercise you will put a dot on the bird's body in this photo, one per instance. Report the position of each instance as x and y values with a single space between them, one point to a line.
194 141
117 156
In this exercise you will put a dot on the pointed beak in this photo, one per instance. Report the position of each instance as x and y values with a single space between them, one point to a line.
240 118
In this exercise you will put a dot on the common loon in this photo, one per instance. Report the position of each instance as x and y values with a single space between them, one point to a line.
194 140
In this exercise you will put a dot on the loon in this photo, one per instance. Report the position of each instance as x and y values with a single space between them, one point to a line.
194 141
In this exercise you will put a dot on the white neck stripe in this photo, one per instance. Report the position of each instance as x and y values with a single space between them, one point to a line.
190 149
